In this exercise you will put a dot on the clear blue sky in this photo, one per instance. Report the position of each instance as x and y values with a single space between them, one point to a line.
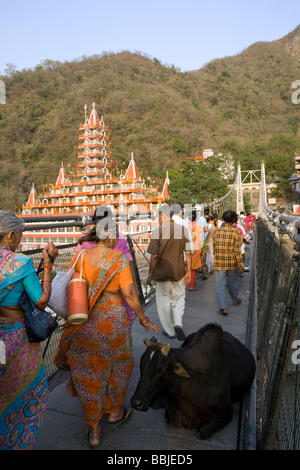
185 33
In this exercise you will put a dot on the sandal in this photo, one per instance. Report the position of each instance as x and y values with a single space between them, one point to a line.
223 312
93 446
125 417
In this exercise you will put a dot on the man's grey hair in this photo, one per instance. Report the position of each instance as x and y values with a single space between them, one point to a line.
10 223
164 209
176 208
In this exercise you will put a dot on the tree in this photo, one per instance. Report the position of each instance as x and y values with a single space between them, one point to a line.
196 183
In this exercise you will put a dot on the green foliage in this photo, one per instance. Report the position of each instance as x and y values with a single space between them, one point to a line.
283 189
196 183
239 105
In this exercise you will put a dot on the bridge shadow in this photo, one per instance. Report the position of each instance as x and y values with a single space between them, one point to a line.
64 425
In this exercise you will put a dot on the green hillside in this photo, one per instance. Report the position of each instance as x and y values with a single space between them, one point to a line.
240 104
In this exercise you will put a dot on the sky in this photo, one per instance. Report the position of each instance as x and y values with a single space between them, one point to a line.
186 34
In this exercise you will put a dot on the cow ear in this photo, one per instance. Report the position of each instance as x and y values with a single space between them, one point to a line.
180 370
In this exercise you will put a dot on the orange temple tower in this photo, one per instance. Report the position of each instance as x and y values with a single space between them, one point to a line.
97 182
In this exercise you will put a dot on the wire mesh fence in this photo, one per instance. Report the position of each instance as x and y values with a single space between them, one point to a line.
278 327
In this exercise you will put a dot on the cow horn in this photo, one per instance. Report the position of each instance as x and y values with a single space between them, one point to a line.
148 342
165 349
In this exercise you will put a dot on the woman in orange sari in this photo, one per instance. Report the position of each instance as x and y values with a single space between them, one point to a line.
197 236
98 353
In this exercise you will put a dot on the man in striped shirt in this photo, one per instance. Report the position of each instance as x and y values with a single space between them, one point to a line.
228 263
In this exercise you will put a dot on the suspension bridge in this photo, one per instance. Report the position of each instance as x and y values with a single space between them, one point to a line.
267 322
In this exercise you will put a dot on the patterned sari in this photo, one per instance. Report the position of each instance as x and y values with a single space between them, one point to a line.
23 384
98 353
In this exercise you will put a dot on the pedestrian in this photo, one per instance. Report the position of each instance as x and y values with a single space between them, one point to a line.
245 241
167 269
24 390
176 210
98 353
212 227
201 220
228 263
197 236
101 213
249 222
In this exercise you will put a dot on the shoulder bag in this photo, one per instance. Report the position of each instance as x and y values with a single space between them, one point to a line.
58 298
39 324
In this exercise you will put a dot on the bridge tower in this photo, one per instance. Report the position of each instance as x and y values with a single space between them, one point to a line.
239 191
263 191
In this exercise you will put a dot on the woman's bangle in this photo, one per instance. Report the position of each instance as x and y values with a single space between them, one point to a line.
146 319
49 266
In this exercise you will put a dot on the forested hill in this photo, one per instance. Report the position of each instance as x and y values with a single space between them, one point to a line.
240 104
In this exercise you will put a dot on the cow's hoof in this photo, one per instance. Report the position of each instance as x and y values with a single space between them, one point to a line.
167 418
203 434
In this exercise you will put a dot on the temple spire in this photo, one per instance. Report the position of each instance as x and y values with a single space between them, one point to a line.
62 176
33 198
94 119
165 193
132 170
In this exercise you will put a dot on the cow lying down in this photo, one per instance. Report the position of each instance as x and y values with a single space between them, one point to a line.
197 383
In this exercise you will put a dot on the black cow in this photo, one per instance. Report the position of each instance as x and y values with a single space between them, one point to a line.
197 383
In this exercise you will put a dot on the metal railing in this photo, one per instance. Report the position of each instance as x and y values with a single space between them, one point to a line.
278 329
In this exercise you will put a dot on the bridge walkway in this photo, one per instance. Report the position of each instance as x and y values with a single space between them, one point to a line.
64 426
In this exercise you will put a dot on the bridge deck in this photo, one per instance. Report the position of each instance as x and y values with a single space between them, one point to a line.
64 426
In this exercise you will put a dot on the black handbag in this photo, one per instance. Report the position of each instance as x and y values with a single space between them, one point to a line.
39 324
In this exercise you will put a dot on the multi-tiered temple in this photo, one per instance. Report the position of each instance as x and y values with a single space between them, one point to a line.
97 182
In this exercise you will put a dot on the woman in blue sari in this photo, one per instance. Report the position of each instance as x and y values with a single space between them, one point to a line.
24 389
